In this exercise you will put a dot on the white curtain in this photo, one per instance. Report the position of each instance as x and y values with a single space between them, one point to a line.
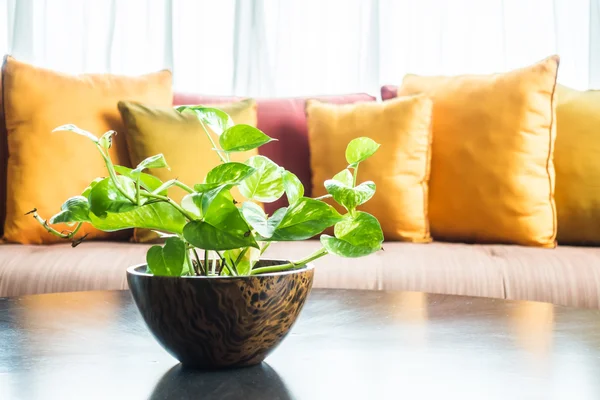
293 47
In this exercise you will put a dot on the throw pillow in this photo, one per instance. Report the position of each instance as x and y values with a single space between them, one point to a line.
180 137
577 160
37 100
400 168
389 92
492 170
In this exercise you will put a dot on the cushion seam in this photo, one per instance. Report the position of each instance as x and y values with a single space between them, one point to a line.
550 157
425 182
3 149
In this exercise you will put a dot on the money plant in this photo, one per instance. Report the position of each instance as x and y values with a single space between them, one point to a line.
208 233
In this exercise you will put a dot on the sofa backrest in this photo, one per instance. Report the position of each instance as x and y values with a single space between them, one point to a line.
283 119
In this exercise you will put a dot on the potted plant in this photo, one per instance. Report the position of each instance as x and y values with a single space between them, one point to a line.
206 294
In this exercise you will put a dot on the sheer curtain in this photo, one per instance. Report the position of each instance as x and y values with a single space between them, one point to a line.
288 48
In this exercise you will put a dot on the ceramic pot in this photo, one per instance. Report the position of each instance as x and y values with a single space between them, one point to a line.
220 322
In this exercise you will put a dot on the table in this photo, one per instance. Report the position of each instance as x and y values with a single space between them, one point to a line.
345 345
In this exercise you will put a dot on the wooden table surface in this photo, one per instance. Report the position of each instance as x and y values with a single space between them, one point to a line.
345 345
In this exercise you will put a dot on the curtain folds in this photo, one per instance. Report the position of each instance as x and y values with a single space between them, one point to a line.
292 48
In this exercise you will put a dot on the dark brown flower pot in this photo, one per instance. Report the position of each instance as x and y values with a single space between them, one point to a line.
220 322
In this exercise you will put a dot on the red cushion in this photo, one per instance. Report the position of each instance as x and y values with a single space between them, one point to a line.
389 92
284 120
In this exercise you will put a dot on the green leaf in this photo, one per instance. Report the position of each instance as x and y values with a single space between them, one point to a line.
217 199
231 234
159 216
105 197
223 227
344 177
355 236
164 235
242 138
106 140
147 181
304 219
210 204
77 130
360 149
244 264
156 161
266 184
205 187
220 207
294 189
168 260
217 120
350 197
219 180
192 203
231 172
86 192
257 219
75 209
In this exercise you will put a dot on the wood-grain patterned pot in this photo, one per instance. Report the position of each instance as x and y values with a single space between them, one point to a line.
220 322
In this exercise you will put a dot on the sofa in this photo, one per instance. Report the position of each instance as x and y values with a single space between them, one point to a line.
565 275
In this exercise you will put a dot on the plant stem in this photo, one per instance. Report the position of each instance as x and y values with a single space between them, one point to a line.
137 191
292 265
265 248
171 202
214 266
214 145
206 262
233 269
190 264
54 231
325 196
74 232
172 182
240 256
225 265
113 174
198 272
355 175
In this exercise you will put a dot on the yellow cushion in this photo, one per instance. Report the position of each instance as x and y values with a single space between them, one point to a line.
577 160
44 168
400 168
180 137
492 175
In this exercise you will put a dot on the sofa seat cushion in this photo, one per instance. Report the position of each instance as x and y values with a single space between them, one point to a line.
29 269
568 275
565 275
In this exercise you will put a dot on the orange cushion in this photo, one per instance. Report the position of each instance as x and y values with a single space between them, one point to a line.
400 168
492 171
577 159
44 168
3 157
